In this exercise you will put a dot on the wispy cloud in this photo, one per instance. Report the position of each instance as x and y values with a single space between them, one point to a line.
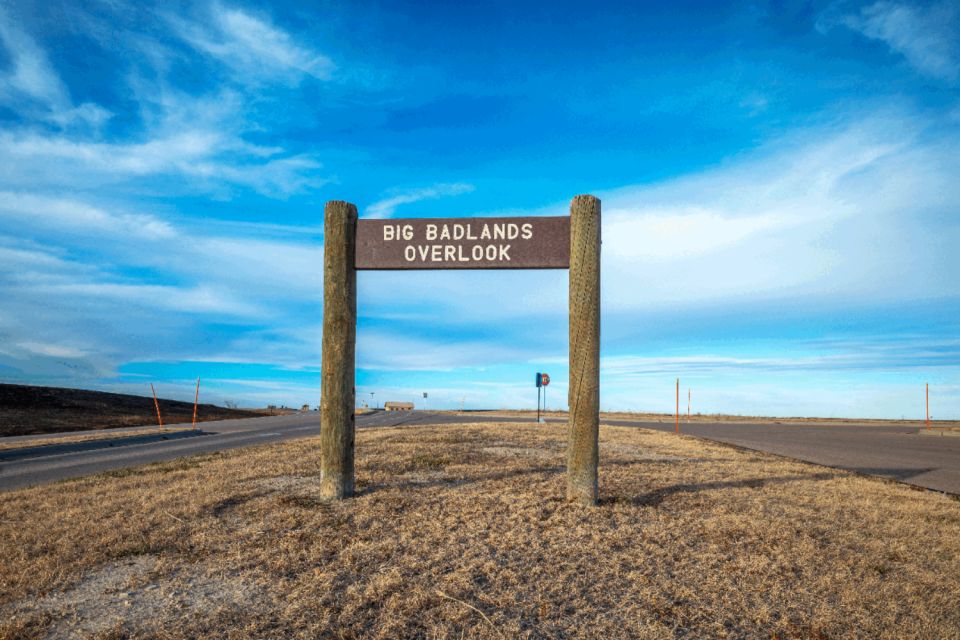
212 154
821 213
60 215
927 36
386 207
857 355
254 48
50 350
32 85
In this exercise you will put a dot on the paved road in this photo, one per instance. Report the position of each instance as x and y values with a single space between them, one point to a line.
897 452
26 466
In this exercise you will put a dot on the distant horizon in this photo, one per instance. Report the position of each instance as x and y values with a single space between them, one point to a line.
419 407
778 184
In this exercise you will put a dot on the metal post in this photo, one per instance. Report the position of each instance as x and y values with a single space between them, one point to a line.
584 392
538 404
337 426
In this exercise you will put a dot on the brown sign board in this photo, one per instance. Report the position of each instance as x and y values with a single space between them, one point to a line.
464 243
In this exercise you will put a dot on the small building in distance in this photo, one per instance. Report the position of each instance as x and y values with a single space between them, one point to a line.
305 407
398 406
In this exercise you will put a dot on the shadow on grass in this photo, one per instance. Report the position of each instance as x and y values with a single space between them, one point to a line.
888 472
655 498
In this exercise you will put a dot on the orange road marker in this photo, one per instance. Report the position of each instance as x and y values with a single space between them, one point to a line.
156 403
196 399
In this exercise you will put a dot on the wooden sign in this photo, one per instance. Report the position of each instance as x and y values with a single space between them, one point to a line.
562 242
464 243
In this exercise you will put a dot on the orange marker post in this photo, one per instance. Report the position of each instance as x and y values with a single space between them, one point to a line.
156 403
196 399
677 428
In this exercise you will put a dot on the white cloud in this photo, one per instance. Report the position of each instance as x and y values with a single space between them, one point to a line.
51 350
31 73
208 155
63 215
253 47
834 212
926 36
32 84
825 213
386 207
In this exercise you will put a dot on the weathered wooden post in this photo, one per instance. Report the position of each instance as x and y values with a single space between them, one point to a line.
584 392
339 346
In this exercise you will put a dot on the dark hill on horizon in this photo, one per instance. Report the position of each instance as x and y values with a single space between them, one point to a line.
27 409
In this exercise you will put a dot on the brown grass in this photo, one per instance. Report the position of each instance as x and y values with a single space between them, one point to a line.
461 531
28 410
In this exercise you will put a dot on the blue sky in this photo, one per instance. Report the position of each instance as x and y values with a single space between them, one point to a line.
780 201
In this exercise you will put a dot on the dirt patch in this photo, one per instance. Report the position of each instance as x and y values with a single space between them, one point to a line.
132 596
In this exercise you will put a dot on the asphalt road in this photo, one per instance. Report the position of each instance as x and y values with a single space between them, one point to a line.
897 452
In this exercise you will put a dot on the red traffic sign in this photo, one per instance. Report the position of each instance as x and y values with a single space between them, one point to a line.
544 379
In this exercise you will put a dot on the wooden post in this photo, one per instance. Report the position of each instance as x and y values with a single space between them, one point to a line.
584 392
928 405
678 406
339 346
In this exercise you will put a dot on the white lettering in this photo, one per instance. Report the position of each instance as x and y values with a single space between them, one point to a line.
436 253
527 231
491 252
407 232
503 252
409 253
431 232
445 233
485 234
387 232
499 231
470 235
512 231
477 252
449 253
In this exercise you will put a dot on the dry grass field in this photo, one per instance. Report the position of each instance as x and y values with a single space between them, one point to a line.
461 531
27 410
